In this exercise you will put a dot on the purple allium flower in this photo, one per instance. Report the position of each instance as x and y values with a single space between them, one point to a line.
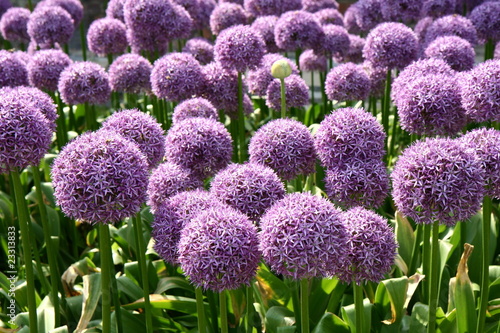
226 15
140 128
486 20
4 5
309 61
456 51
107 36
271 7
371 246
25 133
481 93
201 49
192 8
73 7
45 67
335 41
176 77
206 9
422 26
355 51
115 9
200 144
250 188
167 180
484 143
350 22
303 237
130 73
437 8
314 6
367 14
357 183
497 51
239 48
401 10
378 78
391 45
100 177
329 16
49 26
347 82
14 25
23 57
284 145
13 71
194 107
298 30
437 180
347 135
264 25
219 250
84 82
259 79
451 25
296 93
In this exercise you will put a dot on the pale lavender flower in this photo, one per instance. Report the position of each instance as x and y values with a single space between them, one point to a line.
264 25
367 14
421 28
14 25
201 49
350 22
329 16
206 8
347 82
438 8
45 67
271 7
115 9
226 15
378 78
486 20
107 36
401 10
298 30
354 53
451 25
73 7
130 73
193 8
296 93
309 61
335 41
13 71
456 51
194 107
50 26
317 5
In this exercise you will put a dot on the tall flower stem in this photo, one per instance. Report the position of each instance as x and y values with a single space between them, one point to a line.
26 244
250 308
90 117
200 308
304 304
106 264
241 121
322 78
387 102
62 132
313 102
489 50
83 41
485 263
223 312
434 279
283 98
358 307
426 259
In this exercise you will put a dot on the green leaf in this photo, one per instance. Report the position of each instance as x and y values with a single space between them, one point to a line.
464 295
405 236
173 282
349 315
168 302
279 316
419 318
129 288
61 329
274 291
91 296
45 316
321 289
331 323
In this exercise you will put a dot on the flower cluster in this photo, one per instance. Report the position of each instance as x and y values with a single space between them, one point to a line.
296 92
107 36
14 25
14 72
456 51
194 107
347 82
130 73
45 68
49 26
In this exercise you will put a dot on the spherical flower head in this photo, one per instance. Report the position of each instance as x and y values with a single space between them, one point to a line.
23 57
206 9
219 250
335 41
451 25
115 9
176 77
51 25
355 52
456 51
302 236
14 25
347 82
100 177
371 246
484 143
250 188
486 20
201 49
259 79
480 92
296 93
14 72
194 107
264 25
391 45
107 36
226 15
84 82
25 133
315 6
73 7
167 180
350 22
349 134
401 10
258 8
202 145
239 48
45 67
298 30
437 180
192 8
422 26
284 145
378 77
367 14
329 16
438 8
130 73
309 61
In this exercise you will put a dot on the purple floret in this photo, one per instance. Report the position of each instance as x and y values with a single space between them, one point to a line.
303 237
438 8
367 14
314 6
130 73
202 145
378 78
259 79
486 20
347 82
421 28
192 7
45 67
206 9
115 9
335 41
201 49
73 7
13 71
50 26
265 25
456 51
354 53
401 10
194 107
309 61
284 145
14 25
371 246
271 7
107 36
329 16
296 93
451 25
298 30
350 22
226 15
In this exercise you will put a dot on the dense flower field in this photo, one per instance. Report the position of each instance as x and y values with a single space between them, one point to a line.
250 166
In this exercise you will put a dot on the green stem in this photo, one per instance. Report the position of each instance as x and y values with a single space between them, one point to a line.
62 135
489 50
485 263
213 300
297 60
83 41
223 312
294 289
387 104
304 305
89 117
106 265
394 136
200 308
250 308
313 102
322 76
283 98
416 247
26 244
426 256
358 307
144 272
241 121
434 279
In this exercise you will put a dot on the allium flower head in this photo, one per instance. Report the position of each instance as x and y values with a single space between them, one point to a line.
438 8
100 177
167 180
13 71
350 22
347 82
201 49
335 41
451 25
401 10
486 20
84 82
115 9
480 91
259 79
239 48
371 246
437 180
25 133
354 53
192 7
194 107
264 25
250 188
296 93
14 25
176 77
140 128
73 7
202 145
130 73
271 7
298 30
226 15
107 36
303 237
456 51
421 28
347 135
378 78
367 14
206 9
391 45
329 16
309 61
45 67
484 143
50 25
317 5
